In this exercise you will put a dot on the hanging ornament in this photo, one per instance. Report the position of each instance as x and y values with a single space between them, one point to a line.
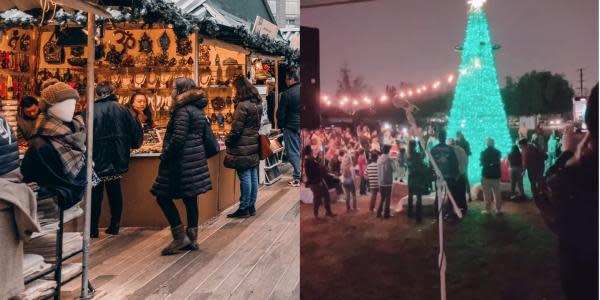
145 43
184 46
164 41
204 55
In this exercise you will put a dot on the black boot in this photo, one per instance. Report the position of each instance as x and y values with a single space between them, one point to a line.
252 210
113 229
94 233
240 213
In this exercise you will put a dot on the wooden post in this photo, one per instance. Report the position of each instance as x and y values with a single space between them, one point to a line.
276 92
90 143
196 70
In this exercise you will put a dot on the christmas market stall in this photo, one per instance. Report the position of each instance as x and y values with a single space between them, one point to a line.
140 50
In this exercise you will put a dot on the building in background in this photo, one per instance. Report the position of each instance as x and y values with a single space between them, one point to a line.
286 12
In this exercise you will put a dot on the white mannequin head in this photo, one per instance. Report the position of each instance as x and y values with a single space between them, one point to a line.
64 110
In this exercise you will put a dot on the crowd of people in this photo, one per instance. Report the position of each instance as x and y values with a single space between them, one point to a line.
354 162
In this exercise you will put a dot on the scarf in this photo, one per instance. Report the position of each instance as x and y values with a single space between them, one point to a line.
70 144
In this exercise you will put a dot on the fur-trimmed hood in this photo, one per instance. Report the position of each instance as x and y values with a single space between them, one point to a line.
195 97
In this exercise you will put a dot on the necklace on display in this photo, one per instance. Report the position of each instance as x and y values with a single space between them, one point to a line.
140 84
116 83
151 82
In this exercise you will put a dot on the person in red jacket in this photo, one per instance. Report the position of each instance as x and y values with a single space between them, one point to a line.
533 163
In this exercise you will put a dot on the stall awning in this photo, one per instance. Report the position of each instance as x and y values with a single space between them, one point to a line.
81 5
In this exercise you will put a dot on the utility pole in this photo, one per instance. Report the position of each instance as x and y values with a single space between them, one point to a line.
581 93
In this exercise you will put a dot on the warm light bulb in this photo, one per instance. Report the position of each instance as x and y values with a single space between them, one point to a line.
450 78
401 94
384 98
325 98
410 93
355 102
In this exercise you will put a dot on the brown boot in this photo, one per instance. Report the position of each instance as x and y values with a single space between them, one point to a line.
192 234
180 241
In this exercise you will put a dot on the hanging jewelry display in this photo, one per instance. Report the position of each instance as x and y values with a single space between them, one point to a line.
217 60
184 46
204 55
228 101
25 42
145 43
229 118
53 53
172 62
164 41
190 61
213 118
220 80
12 41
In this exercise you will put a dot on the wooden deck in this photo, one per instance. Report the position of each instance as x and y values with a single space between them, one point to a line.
254 258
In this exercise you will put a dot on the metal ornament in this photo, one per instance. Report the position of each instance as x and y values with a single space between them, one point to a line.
164 41
145 43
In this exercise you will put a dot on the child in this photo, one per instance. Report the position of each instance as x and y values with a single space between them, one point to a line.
373 180
385 171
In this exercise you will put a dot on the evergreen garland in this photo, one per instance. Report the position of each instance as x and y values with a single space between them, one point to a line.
163 12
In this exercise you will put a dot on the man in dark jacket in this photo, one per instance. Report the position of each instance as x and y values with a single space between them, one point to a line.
533 162
116 132
490 174
288 119
445 158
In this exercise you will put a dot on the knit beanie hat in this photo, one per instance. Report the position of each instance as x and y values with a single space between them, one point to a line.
54 91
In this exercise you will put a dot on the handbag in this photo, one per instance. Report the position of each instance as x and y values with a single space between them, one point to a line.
211 145
263 141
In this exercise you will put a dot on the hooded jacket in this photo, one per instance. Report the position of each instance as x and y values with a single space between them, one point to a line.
116 132
242 142
183 169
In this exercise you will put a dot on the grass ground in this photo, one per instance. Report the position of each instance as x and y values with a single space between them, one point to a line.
358 256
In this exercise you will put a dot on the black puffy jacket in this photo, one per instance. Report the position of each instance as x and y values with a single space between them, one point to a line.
288 111
183 169
116 132
242 142
9 150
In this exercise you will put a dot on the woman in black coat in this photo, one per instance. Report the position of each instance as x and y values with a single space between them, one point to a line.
243 145
183 170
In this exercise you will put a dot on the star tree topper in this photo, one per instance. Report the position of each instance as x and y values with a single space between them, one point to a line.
476 4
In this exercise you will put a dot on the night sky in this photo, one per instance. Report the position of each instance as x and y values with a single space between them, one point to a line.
389 41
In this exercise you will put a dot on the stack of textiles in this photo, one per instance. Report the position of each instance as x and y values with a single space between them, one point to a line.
46 245
39 289
33 264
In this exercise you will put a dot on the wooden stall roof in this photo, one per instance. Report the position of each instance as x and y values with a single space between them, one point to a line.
81 5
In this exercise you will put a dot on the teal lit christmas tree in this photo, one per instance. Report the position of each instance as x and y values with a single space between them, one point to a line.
477 110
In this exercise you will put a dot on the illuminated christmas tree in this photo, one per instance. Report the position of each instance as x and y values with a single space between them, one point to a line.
477 110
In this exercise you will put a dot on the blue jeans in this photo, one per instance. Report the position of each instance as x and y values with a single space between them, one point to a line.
248 188
292 149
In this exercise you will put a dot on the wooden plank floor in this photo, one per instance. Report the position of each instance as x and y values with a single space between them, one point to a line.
254 258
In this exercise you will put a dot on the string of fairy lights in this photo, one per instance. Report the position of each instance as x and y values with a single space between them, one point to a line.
405 93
